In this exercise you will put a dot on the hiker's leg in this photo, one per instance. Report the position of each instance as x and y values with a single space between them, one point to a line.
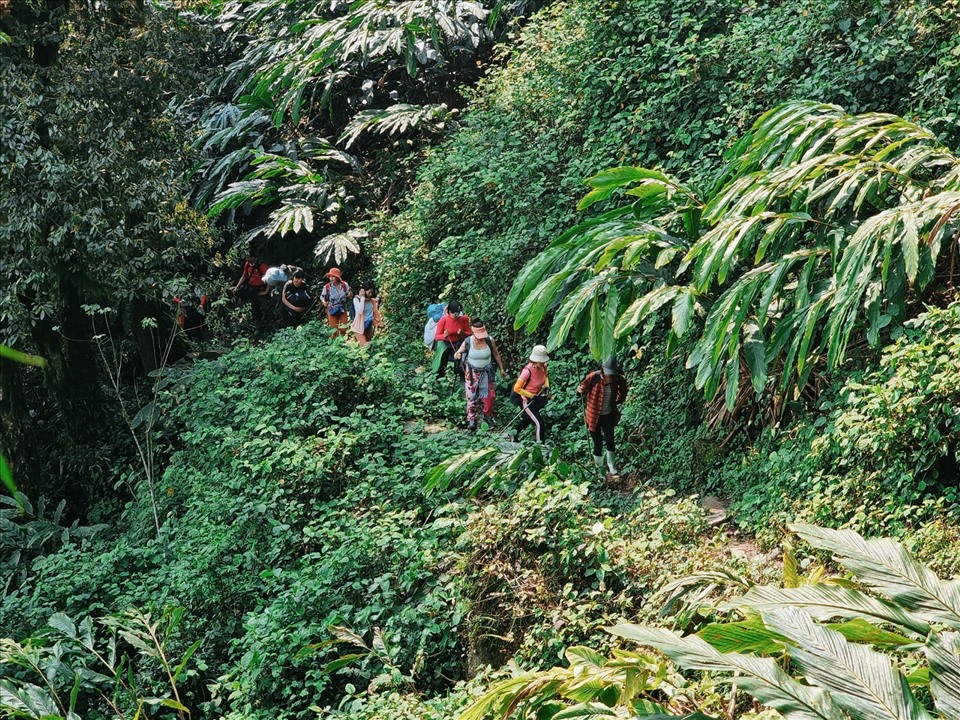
446 357
473 403
361 338
488 401
524 420
597 437
531 412
607 423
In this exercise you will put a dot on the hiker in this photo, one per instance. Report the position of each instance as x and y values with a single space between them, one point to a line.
479 353
276 277
335 298
452 329
366 308
295 301
251 287
192 312
603 391
531 392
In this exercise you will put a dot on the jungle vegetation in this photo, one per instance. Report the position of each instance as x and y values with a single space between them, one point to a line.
752 204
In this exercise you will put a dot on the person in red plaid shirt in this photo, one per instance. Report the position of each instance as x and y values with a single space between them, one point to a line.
603 391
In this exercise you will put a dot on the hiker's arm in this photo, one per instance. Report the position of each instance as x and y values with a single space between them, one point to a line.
518 386
621 391
243 276
459 353
283 298
496 355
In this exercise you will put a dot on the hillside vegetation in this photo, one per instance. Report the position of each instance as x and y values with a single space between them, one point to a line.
283 524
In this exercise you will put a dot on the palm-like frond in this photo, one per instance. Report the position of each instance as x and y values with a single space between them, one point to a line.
339 246
826 602
597 686
943 651
761 677
886 567
394 120
487 468
861 681
822 225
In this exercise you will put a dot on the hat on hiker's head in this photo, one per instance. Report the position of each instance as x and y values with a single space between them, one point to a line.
335 273
539 354
454 307
479 331
610 366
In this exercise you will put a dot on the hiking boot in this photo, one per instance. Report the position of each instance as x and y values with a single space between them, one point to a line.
611 467
490 421
472 425
598 462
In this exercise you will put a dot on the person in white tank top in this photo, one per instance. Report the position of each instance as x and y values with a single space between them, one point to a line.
478 352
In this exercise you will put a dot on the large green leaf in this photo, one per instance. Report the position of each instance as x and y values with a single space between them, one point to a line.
860 680
760 677
943 651
826 602
885 566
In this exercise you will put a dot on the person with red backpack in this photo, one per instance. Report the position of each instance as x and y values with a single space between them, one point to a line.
335 297
251 284
252 288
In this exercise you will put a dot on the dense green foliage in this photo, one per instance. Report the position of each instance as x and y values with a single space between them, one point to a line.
92 212
295 526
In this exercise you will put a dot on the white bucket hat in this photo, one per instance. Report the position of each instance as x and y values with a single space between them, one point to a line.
539 354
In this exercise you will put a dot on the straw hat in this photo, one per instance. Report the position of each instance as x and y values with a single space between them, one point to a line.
539 354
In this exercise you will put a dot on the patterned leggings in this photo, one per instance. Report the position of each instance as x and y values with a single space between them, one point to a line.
474 402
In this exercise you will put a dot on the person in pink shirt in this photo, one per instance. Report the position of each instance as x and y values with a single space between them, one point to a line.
531 392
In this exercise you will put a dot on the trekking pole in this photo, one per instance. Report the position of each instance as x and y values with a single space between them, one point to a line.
509 425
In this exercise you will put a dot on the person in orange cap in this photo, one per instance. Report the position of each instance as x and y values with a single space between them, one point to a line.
335 297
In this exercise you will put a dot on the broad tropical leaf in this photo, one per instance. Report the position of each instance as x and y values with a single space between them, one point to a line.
822 226
761 677
860 680
885 566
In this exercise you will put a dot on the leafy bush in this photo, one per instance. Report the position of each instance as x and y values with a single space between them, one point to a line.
881 453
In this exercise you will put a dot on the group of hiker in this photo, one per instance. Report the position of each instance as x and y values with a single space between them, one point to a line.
457 339
469 345
285 287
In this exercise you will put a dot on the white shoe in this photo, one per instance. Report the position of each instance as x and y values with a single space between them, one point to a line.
611 468
598 461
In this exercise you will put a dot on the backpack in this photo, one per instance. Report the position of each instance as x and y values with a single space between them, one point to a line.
435 311
341 305
430 333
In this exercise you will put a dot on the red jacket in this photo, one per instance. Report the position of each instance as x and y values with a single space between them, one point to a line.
591 389
457 328
253 274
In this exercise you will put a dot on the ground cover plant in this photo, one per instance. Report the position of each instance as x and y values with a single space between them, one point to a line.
321 537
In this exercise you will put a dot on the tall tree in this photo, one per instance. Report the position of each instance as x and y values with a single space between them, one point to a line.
91 189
